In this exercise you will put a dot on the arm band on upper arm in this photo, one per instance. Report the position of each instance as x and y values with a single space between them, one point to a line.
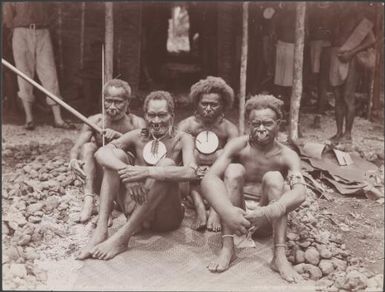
296 178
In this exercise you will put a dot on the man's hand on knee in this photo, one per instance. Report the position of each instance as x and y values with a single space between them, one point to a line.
262 215
257 217
236 221
137 191
133 173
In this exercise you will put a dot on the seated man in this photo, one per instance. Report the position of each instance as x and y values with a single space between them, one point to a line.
150 189
258 163
211 132
116 122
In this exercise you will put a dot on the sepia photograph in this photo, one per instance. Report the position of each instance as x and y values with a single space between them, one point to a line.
192 146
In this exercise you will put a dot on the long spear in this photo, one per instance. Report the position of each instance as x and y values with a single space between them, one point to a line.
52 96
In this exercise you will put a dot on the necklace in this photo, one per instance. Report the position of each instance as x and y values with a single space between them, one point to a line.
154 150
207 142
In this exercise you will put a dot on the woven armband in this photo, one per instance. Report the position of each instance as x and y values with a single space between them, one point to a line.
274 211
296 178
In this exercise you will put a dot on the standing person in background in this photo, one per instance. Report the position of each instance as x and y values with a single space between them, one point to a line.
32 51
284 31
321 20
352 34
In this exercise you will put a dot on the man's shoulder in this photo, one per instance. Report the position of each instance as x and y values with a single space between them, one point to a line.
287 153
228 123
238 143
95 117
187 122
137 121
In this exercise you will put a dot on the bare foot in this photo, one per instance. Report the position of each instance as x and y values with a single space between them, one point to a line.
201 219
346 138
281 265
335 138
214 222
86 212
222 262
99 235
109 248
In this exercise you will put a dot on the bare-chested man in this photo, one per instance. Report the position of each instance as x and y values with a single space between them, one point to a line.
351 35
149 191
211 131
256 165
116 122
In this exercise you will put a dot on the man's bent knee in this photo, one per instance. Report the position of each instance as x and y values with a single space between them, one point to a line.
235 172
273 179
121 155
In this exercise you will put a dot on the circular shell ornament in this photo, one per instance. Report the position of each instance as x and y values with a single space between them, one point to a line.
207 142
153 151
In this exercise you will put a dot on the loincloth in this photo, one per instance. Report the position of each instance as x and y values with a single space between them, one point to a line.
252 194
338 71
284 65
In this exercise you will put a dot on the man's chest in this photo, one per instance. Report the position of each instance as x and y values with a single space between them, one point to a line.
205 133
256 165
149 151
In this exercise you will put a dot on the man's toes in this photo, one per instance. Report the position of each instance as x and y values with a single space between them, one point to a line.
297 277
95 252
221 269
212 267
103 256
83 255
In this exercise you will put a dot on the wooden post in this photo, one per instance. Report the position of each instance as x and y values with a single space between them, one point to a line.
60 38
298 66
82 22
375 85
109 40
243 71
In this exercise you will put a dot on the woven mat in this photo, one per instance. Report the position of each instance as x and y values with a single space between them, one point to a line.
177 261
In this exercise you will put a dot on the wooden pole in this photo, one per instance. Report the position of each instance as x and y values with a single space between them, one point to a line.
103 109
82 25
60 38
109 40
298 66
243 71
375 76
52 96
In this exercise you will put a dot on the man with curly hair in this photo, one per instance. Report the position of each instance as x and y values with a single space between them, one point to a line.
246 185
211 131
117 96
148 192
